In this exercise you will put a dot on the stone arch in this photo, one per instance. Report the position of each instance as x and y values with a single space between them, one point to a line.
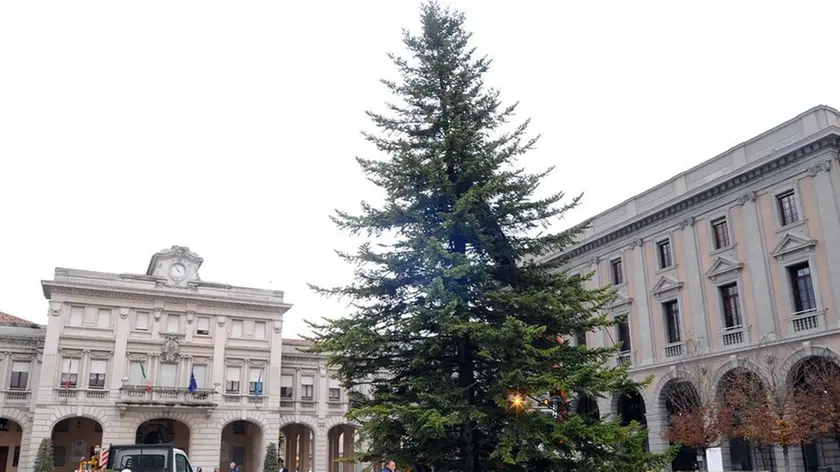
733 364
255 417
340 420
89 412
795 359
673 374
306 420
17 416
179 416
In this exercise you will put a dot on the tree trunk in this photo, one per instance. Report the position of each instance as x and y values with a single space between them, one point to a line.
786 455
466 378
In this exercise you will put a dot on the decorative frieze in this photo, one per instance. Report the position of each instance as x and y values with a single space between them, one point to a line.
725 187
169 298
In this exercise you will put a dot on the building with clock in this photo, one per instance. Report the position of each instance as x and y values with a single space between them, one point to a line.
164 356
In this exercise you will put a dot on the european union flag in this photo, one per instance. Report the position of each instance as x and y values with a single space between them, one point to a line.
193 384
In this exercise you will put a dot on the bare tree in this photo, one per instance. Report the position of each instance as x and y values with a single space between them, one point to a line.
817 383
768 408
696 419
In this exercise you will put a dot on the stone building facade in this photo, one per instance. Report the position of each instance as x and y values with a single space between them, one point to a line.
739 253
166 357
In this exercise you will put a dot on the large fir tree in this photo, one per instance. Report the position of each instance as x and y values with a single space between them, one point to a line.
454 320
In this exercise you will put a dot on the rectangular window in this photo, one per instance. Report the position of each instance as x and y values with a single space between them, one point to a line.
334 393
135 373
98 367
236 329
77 315
103 318
90 317
256 381
720 233
617 272
202 326
259 330
623 329
141 320
199 371
173 324
248 327
232 379
307 387
788 213
287 386
803 288
239 428
20 375
580 339
731 306
168 375
663 249
672 321
69 373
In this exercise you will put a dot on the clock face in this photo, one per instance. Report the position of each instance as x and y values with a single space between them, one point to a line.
178 271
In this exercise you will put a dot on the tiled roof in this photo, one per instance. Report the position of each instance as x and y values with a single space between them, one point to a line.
297 342
9 320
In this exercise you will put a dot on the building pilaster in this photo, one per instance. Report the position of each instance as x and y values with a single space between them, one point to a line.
640 301
768 320
830 223
119 367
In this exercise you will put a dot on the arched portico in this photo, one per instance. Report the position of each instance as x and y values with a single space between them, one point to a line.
299 441
242 443
341 441
74 440
164 430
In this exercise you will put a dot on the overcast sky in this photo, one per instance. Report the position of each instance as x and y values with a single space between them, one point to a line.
231 127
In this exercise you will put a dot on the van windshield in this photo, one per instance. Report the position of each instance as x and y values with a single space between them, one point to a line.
137 460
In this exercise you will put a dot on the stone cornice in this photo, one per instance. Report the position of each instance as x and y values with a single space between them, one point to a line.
152 295
731 185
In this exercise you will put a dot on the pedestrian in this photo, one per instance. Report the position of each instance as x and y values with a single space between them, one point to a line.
283 466
390 466
233 467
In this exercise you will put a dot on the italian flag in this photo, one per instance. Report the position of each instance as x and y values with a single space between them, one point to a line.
148 382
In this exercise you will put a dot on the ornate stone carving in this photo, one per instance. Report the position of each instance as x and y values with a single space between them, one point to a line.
322 369
55 308
278 326
220 320
158 313
123 312
637 242
190 317
819 167
593 261
171 350
746 197
686 222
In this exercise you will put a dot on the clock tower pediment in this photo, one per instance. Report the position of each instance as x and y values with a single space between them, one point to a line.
177 265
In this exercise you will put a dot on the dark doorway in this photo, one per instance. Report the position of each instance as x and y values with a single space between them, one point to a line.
4 457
